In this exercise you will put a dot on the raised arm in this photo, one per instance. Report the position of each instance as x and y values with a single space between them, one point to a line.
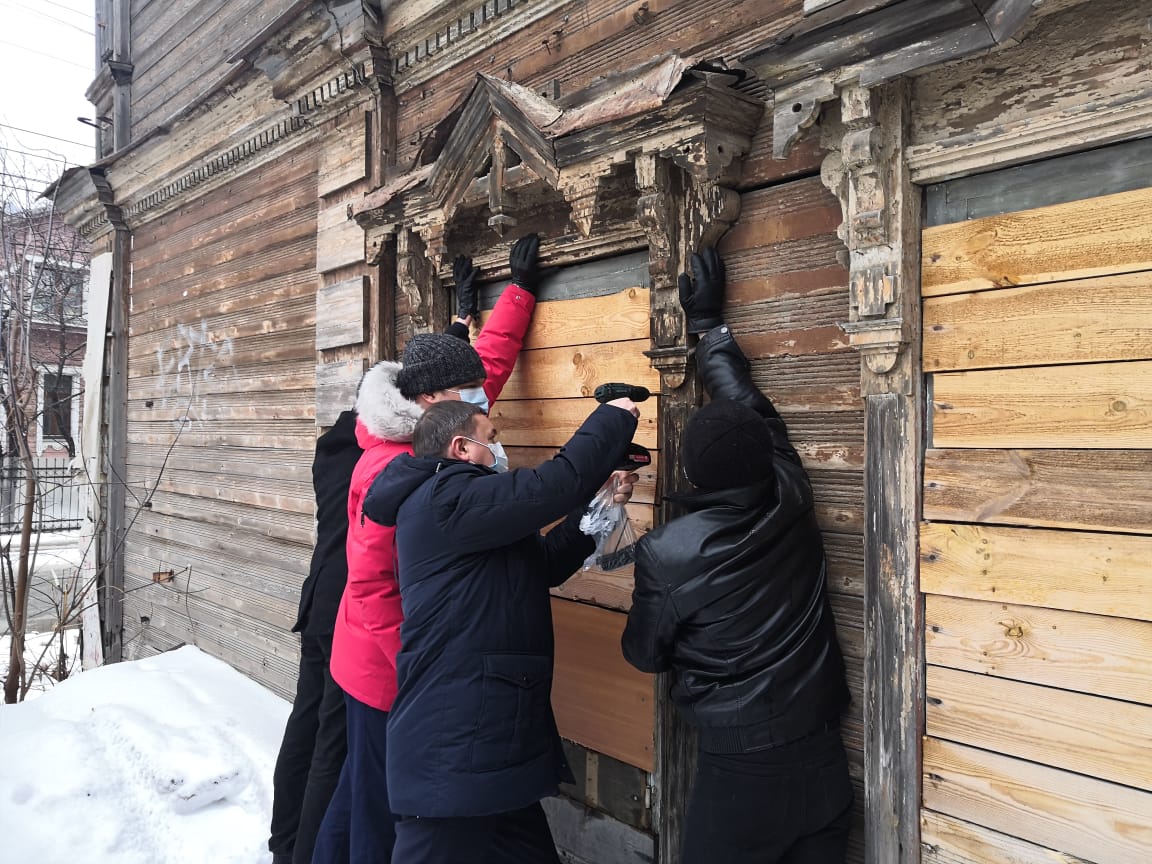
500 341
724 370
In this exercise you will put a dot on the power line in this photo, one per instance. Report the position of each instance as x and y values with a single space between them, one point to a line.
82 14
49 56
44 135
49 17
36 155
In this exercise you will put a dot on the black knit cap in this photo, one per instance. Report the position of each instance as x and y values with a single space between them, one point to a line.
726 445
437 361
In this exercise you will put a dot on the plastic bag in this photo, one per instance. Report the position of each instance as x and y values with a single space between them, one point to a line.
608 522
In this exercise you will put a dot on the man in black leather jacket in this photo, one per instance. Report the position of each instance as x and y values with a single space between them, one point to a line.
731 599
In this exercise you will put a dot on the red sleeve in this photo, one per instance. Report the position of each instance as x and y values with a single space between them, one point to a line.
502 337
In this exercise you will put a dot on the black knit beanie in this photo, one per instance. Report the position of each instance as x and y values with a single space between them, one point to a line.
437 361
726 444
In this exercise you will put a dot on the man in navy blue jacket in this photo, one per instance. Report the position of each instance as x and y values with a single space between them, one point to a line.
472 742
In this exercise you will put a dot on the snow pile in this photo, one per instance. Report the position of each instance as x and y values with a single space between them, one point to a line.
166 760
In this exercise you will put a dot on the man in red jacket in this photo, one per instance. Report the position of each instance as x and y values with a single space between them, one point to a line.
392 397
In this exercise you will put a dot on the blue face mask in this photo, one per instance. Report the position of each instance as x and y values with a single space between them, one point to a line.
497 450
475 395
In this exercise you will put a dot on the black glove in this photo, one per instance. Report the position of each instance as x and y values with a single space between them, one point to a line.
524 264
467 294
703 304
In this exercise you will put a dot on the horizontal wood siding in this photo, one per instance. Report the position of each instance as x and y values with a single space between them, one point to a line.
1035 558
221 423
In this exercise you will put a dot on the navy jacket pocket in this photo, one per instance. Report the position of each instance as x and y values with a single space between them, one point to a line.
514 721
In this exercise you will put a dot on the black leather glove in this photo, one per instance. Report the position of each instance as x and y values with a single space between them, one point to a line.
524 264
703 302
467 294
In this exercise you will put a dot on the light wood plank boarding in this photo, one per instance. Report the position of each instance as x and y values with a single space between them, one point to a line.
945 840
339 240
551 422
1106 490
1102 738
1102 405
1095 237
600 701
617 317
1104 574
1083 321
342 313
1091 818
574 372
1070 650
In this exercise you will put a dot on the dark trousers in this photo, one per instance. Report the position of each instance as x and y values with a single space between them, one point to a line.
359 825
519 837
311 755
788 805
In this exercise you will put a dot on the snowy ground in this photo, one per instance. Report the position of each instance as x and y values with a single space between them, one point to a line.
166 760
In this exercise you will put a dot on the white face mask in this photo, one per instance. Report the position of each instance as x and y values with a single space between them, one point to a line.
497 450
474 395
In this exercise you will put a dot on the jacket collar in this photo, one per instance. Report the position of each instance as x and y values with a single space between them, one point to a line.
758 494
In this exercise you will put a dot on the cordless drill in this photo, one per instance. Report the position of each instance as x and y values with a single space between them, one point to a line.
636 457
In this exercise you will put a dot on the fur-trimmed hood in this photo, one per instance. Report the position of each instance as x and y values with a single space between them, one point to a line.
383 412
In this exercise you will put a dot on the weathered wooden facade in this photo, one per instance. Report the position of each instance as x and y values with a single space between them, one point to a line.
936 226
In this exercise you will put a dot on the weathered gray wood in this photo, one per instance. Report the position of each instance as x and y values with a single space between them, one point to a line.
1103 171
339 240
341 313
116 469
589 837
336 385
594 279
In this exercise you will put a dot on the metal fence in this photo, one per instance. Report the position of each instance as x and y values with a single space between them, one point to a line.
60 496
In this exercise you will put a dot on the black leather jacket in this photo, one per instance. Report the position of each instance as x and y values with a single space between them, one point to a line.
731 599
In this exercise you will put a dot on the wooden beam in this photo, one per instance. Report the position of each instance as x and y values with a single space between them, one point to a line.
600 701
1098 406
945 840
551 422
1096 237
575 371
1087 817
1105 490
1103 738
1105 574
1070 650
1082 321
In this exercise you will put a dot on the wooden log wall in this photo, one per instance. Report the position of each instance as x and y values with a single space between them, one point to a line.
787 292
1036 552
221 421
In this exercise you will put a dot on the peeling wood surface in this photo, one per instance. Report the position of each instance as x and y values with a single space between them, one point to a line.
1086 817
1071 87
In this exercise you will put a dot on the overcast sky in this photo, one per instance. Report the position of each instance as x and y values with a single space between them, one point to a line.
47 59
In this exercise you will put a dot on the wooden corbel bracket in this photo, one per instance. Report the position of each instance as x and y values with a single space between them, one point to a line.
879 341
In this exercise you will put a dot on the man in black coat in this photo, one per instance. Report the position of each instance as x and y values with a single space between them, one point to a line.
472 742
312 752
731 600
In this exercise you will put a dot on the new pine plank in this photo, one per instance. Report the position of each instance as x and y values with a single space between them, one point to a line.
574 372
945 840
1074 651
552 422
1104 574
1083 321
607 589
1102 405
1098 737
1105 490
1095 237
600 701
618 317
1083 816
